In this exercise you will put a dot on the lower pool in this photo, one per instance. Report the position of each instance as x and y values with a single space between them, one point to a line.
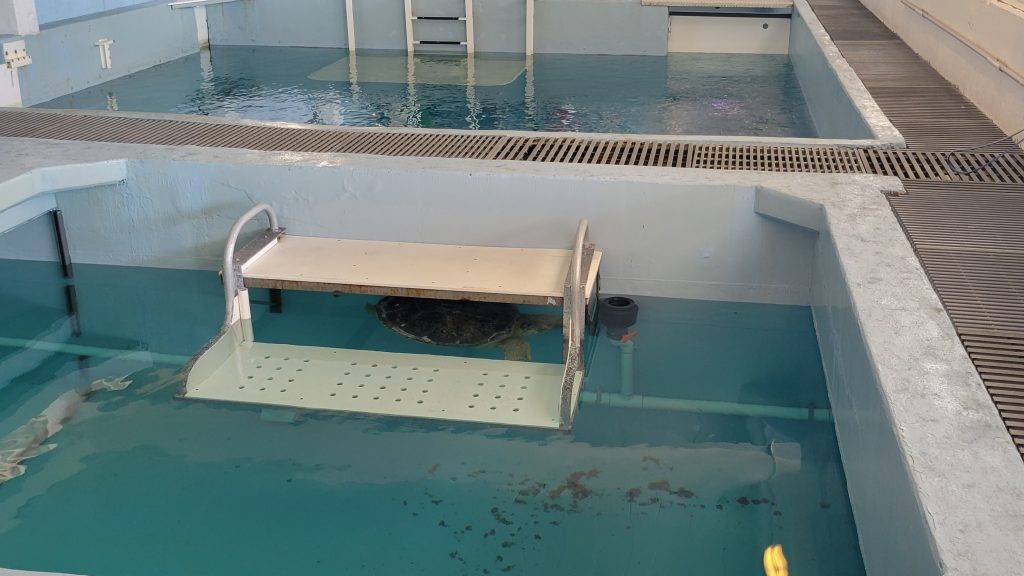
705 94
137 482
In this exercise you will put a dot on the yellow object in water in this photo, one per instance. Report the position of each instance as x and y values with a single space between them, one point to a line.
775 561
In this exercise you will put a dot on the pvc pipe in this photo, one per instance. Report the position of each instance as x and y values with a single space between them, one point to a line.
91 351
627 368
706 406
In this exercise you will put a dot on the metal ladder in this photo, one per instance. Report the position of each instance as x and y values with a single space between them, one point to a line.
411 42
235 367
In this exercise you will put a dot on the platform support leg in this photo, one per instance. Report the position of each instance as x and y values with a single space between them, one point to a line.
244 314
71 305
276 301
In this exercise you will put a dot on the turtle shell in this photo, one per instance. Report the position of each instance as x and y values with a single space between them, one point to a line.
448 322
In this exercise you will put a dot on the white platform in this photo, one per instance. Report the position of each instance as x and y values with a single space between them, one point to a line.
410 385
515 275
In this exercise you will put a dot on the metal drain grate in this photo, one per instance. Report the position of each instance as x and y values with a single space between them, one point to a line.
608 151
611 151
777 158
956 167
172 132
970 241
999 357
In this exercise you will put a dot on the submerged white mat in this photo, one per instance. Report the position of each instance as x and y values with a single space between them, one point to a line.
411 385
426 69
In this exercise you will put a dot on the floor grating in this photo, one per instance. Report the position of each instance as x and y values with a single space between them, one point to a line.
907 164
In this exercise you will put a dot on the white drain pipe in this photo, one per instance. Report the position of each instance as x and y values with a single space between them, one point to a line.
705 406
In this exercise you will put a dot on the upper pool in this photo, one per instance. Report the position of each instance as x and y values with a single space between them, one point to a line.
685 93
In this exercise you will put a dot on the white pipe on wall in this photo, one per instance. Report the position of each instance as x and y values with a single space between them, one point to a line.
350 25
202 27
10 88
705 406
529 27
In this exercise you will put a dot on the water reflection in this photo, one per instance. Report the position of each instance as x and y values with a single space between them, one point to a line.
678 94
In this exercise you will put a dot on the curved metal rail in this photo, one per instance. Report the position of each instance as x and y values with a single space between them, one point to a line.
232 280
575 303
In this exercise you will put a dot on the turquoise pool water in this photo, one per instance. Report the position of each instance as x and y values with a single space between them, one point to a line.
141 483
707 94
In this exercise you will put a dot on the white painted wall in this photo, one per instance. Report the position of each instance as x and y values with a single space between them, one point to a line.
18 17
65 57
741 35
562 26
995 26
57 10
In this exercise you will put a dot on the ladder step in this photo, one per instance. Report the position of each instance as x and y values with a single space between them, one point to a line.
449 18
410 385
447 42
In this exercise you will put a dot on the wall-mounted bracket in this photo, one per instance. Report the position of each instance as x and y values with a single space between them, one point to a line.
104 45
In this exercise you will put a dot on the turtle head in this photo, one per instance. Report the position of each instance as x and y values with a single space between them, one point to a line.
537 323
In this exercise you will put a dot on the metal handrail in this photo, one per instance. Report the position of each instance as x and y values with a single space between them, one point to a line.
576 301
576 288
230 281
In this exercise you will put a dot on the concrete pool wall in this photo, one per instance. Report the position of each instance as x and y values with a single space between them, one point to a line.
66 58
934 481
173 215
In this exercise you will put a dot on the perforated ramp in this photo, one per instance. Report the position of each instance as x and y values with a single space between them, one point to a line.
410 385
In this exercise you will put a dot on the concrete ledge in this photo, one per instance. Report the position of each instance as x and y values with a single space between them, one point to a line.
30 194
787 208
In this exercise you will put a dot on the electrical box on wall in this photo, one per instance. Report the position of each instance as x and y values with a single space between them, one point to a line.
15 55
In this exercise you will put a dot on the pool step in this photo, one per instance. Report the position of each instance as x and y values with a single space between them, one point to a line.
410 385
234 367
451 272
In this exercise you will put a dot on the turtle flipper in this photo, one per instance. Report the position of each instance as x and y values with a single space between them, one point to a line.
516 349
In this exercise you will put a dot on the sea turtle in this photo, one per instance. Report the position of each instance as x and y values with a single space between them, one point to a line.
464 323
